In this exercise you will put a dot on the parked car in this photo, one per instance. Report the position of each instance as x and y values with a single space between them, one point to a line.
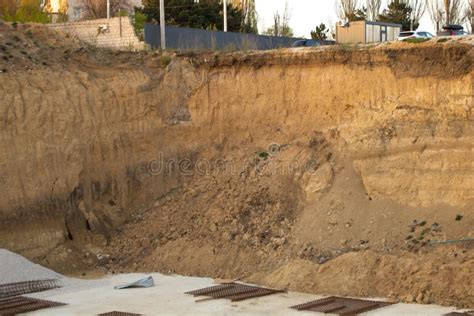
453 30
312 43
414 34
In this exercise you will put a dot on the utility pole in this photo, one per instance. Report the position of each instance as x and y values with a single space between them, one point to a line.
162 24
225 15
108 9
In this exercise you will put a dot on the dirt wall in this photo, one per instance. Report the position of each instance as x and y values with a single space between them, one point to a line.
80 138
408 132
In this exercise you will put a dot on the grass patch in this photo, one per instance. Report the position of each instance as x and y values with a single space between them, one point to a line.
165 61
442 40
347 46
416 40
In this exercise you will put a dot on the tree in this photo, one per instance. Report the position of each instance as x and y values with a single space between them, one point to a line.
97 9
205 14
250 17
435 8
281 24
453 11
470 15
360 15
373 9
346 9
398 12
418 8
320 33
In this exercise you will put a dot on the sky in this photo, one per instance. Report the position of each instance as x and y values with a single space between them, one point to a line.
306 14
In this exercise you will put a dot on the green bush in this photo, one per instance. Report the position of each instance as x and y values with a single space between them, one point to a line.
139 20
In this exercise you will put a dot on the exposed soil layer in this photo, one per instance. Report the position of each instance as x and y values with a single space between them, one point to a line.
332 170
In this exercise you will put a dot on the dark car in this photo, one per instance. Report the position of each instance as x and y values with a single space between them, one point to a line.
453 30
311 43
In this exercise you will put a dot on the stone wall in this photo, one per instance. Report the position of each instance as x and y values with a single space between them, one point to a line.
115 33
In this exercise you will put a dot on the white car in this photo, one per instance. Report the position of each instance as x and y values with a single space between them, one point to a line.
414 34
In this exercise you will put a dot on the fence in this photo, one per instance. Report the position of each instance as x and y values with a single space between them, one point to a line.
183 38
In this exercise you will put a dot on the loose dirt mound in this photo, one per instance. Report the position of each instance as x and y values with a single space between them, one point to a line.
443 275
250 225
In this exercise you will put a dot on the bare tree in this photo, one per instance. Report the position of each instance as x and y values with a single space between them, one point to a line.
250 16
436 10
418 8
469 16
373 9
97 9
453 11
281 24
346 9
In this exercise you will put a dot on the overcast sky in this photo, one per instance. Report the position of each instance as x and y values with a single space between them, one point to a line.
306 14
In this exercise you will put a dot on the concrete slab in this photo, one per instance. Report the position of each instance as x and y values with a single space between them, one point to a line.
90 297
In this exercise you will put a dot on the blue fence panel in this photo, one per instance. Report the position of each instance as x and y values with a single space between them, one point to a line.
184 38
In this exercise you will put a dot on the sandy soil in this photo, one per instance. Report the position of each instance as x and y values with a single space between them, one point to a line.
253 227
354 199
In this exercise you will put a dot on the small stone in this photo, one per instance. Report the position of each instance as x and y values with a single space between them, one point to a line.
279 241
322 260
408 298
419 298
103 258
213 227
332 220
227 236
